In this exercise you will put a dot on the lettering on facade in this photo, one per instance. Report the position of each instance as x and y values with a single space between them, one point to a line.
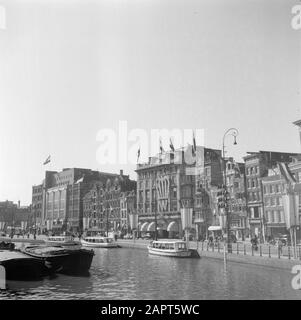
162 187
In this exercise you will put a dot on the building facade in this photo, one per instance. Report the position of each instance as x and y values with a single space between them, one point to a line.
165 184
274 217
209 177
236 187
256 167
108 203
62 197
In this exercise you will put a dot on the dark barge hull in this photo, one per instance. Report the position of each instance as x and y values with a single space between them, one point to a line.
71 262
25 270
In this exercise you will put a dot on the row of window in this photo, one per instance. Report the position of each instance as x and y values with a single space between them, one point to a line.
275 216
272 188
252 171
273 201
253 183
254 196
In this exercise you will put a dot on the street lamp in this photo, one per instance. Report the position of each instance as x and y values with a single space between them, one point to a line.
234 133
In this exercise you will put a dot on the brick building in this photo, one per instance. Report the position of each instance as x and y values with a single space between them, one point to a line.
107 204
62 197
256 167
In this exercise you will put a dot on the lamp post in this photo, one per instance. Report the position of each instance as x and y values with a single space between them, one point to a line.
35 221
234 133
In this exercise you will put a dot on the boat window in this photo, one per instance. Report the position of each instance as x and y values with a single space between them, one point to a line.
182 246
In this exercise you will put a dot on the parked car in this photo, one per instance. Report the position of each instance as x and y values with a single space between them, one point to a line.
128 236
2 234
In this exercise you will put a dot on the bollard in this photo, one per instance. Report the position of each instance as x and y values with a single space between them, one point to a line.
202 245
260 250
252 250
289 252
207 245
218 247
269 251
278 253
212 246
237 248
245 249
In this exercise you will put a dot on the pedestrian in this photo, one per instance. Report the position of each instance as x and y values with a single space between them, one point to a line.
279 244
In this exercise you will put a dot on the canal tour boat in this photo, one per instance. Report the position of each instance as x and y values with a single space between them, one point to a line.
99 242
176 249
62 259
65 241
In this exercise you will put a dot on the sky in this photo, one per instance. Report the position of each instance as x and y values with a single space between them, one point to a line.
69 69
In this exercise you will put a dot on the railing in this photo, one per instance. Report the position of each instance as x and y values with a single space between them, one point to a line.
261 250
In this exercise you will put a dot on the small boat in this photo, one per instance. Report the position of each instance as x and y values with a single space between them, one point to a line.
65 241
170 249
7 246
99 242
19 266
62 259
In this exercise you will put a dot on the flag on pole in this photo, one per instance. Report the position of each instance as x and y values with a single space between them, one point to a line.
193 144
172 148
47 160
80 180
286 173
138 154
161 146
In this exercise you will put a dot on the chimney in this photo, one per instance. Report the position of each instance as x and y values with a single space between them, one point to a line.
121 172
19 204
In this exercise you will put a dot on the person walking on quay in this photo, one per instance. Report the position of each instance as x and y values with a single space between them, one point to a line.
254 242
279 245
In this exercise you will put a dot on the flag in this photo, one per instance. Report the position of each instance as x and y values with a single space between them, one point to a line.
80 180
193 144
291 209
161 146
172 148
138 154
47 160
286 173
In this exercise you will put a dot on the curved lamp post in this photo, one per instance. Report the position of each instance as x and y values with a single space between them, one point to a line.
234 133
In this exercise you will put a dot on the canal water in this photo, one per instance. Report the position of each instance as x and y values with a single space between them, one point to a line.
134 274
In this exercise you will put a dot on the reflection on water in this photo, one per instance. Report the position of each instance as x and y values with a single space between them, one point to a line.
133 274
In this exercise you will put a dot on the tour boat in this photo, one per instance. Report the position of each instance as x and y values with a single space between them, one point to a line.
19 266
99 242
62 259
170 249
65 241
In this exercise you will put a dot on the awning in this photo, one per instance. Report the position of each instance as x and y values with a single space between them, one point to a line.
144 226
173 226
214 228
151 227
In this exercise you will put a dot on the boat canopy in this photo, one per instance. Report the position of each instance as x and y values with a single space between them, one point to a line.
214 228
